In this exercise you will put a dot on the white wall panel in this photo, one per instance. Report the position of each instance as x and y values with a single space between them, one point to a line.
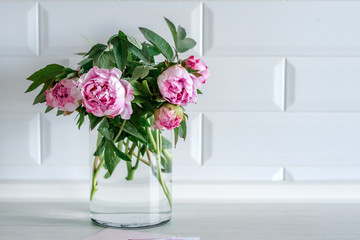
45 173
62 142
98 21
282 28
264 56
281 139
14 72
242 84
322 84
18 26
189 152
20 139
226 172
322 173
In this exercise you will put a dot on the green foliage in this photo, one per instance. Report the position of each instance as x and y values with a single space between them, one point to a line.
94 121
48 109
176 136
182 129
132 130
141 72
110 157
120 51
106 60
159 43
59 112
81 116
166 144
46 77
104 129
172 30
182 43
45 74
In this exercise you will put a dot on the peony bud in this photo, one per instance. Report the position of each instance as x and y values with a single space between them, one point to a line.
168 116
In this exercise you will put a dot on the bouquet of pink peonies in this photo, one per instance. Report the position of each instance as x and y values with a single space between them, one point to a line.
128 97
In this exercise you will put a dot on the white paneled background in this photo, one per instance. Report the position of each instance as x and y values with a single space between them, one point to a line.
282 102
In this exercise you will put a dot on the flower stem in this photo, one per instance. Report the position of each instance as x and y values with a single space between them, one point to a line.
151 138
96 168
158 158
130 168
118 135
95 174
141 159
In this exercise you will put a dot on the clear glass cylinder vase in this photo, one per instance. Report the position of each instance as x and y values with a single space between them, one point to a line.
138 192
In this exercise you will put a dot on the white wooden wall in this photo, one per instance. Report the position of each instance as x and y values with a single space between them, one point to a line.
282 102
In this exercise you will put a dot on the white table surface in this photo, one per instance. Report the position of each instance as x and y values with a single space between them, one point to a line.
211 221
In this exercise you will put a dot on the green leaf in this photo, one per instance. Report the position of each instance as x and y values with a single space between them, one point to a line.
143 150
120 53
48 109
85 61
138 53
111 38
198 91
94 121
141 72
159 43
146 85
109 157
104 129
65 72
139 89
40 98
166 144
106 60
81 53
96 51
121 154
47 72
134 42
86 64
153 51
136 73
107 175
144 122
181 33
59 112
140 99
182 129
100 147
185 44
172 30
81 117
132 130
43 75
34 85
176 135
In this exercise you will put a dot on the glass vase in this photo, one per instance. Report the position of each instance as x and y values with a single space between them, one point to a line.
138 192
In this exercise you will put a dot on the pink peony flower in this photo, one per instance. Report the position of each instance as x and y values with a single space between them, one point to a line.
105 94
168 116
176 86
65 95
203 71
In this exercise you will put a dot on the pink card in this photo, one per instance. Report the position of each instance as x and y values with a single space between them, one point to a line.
117 234
171 238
